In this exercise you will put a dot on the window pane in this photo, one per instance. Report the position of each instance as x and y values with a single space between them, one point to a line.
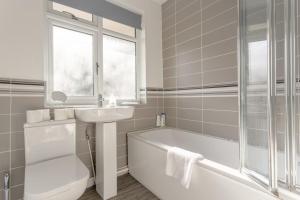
73 11
118 27
119 68
72 62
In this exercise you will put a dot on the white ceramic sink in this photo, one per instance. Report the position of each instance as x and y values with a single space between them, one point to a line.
105 119
103 114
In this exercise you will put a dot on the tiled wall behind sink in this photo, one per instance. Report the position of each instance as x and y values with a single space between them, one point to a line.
18 96
200 66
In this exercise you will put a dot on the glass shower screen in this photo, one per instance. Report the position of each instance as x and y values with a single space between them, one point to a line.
269 94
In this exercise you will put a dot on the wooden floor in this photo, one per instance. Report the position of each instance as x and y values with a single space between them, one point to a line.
128 189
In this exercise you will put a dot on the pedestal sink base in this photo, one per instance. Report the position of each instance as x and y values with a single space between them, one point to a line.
106 159
106 144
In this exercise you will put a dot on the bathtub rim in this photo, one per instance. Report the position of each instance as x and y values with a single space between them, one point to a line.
207 164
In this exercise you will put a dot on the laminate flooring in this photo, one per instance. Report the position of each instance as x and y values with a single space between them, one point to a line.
128 189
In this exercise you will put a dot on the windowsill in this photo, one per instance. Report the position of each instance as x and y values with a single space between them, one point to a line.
129 103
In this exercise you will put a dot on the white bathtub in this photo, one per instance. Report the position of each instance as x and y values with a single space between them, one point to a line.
219 180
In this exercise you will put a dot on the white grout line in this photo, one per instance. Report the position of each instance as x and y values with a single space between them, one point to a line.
176 84
202 82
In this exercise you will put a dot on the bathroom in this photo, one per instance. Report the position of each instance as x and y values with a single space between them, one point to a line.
149 99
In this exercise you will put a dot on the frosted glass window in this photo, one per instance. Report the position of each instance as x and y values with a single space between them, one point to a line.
72 62
118 27
119 72
69 10
258 51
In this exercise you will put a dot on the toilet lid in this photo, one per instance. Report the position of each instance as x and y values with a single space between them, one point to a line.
54 176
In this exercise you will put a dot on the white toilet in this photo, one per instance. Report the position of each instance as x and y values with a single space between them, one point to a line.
53 171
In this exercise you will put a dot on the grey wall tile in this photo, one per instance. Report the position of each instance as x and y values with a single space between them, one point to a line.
221 117
182 4
206 46
194 43
169 52
17 176
206 3
171 122
17 158
167 5
169 42
125 126
145 113
189 114
170 102
168 11
220 20
122 150
220 48
85 158
192 80
4 105
171 112
195 126
168 32
220 76
220 34
4 142
20 104
221 103
222 131
192 32
216 8
17 192
4 161
170 72
219 62
17 141
190 102
17 122
188 10
188 22
122 139
168 22
121 162
189 57
82 146
143 124
169 82
4 123
169 62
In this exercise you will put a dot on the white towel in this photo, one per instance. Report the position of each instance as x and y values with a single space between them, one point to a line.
180 164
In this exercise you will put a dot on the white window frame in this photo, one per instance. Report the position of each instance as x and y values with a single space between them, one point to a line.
95 28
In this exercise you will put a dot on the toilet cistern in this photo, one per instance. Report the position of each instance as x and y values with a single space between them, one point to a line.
53 171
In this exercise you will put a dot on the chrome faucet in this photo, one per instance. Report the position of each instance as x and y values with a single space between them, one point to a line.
100 100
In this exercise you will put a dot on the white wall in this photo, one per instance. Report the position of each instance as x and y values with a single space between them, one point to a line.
152 23
21 39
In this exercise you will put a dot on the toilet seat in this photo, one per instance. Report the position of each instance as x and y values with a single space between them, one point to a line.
62 178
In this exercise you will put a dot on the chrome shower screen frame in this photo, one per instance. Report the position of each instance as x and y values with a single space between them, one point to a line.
270 182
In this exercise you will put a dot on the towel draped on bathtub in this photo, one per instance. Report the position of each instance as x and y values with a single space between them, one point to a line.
180 164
